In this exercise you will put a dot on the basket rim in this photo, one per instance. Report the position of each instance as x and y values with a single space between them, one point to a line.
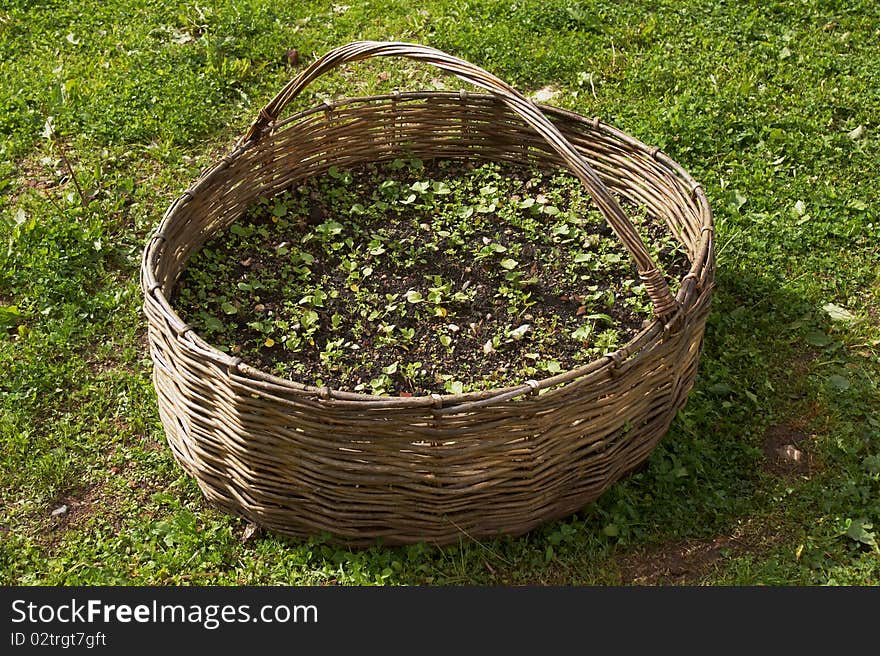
616 361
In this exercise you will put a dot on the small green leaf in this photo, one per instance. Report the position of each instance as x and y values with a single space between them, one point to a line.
581 257
872 464
611 530
229 308
737 199
414 297
859 530
509 264
838 382
10 315
330 228
611 258
818 338
721 389
309 318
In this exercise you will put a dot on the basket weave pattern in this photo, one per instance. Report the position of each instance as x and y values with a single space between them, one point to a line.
300 460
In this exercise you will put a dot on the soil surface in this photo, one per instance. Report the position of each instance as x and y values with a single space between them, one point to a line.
416 278
690 562
785 451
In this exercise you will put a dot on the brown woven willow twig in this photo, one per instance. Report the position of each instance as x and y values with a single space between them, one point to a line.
300 459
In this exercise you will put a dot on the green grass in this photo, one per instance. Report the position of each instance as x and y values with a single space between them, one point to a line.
772 106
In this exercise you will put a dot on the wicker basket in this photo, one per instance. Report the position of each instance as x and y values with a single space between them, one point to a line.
301 460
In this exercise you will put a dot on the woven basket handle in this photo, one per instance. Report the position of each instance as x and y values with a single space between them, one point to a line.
655 284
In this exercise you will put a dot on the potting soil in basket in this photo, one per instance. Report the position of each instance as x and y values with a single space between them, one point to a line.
368 346
409 277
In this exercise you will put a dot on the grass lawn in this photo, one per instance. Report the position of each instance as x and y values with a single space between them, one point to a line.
109 110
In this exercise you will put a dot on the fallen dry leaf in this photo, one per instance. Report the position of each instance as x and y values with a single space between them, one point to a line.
250 532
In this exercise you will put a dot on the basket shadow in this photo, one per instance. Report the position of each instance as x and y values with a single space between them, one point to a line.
739 436
704 482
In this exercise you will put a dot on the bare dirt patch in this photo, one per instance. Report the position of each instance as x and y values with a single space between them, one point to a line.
785 452
80 505
39 174
688 562
801 363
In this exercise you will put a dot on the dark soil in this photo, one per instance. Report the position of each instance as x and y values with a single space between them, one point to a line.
689 562
488 330
785 451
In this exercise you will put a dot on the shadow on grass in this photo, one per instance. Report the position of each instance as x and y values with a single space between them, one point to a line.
709 477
